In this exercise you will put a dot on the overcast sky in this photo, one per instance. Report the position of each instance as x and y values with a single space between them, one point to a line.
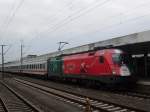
41 24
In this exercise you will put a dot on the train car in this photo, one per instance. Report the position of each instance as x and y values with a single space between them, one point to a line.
36 66
105 66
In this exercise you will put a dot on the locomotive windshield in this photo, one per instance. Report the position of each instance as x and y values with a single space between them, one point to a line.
121 58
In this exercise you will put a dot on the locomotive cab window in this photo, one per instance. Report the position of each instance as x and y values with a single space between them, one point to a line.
121 59
101 59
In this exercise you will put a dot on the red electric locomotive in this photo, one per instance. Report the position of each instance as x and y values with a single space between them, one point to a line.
106 66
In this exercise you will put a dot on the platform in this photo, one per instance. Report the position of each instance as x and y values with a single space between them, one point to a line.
145 82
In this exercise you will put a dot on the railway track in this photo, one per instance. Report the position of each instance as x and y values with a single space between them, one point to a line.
124 92
79 100
2 106
135 95
11 101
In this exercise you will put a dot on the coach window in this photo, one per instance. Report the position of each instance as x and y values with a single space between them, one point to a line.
39 66
43 66
101 59
36 66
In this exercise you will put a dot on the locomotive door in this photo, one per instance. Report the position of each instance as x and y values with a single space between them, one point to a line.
103 65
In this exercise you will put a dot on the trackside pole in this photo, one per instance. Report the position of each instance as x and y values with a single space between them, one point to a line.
2 68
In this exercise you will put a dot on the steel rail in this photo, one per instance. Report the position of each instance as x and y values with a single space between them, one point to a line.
21 98
79 99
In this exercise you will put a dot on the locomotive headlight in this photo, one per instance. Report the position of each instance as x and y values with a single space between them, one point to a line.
124 71
113 72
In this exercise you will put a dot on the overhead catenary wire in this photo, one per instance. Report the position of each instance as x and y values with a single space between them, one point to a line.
66 21
8 49
9 19
61 11
112 25
7 16
61 25
77 14
121 21
85 10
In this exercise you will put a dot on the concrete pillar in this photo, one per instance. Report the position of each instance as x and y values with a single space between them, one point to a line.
145 64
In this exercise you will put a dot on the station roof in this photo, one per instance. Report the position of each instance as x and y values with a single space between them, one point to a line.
137 43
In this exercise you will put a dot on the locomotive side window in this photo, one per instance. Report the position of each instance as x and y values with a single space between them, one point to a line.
101 59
